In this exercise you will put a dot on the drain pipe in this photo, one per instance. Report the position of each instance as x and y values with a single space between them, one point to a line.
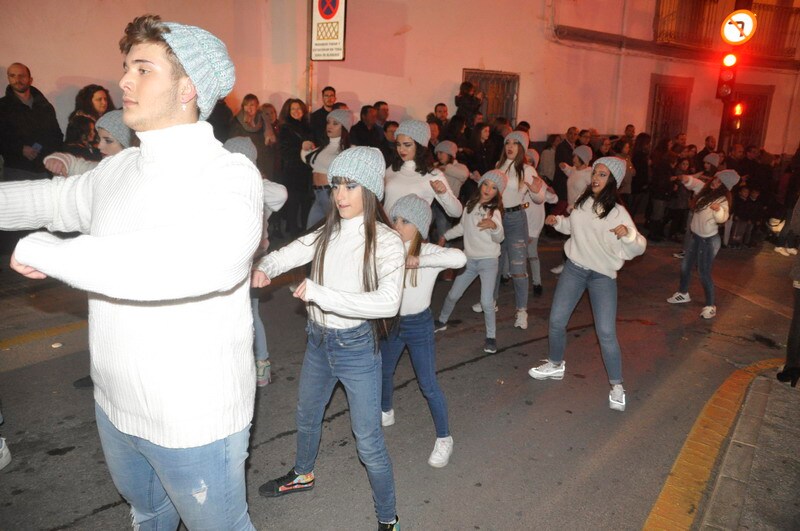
620 63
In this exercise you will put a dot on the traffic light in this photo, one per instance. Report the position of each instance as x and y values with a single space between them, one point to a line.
737 112
727 77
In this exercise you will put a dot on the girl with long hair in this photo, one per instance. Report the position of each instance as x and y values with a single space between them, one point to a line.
710 208
336 140
414 329
92 101
602 237
482 229
295 174
357 266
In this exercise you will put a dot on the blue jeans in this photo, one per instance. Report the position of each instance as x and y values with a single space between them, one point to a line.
415 332
486 268
533 260
319 210
259 333
572 282
203 486
515 249
350 356
700 250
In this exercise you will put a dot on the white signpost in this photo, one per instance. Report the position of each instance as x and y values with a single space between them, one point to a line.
327 30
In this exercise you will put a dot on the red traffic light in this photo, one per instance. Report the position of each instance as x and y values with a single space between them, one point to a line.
729 60
726 80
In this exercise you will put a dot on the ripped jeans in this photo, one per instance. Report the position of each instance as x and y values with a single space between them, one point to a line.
515 249
203 486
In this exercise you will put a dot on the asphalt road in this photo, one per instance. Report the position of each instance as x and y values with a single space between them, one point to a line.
528 454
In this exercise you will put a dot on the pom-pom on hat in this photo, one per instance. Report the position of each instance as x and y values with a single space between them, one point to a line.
243 145
499 178
615 165
360 164
415 210
728 177
584 153
205 60
520 137
112 122
532 156
712 158
416 129
342 116
447 147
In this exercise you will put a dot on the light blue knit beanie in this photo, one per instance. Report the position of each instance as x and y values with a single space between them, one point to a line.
342 116
499 178
112 122
415 210
533 157
206 61
419 131
728 177
584 153
243 145
615 165
360 164
521 137
447 147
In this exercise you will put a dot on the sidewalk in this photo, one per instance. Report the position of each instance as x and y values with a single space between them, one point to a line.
757 482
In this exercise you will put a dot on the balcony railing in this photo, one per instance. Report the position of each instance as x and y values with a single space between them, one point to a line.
696 23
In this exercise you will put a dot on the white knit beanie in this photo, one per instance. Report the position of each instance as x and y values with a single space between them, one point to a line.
615 165
342 116
243 145
728 177
206 61
448 147
584 153
419 131
533 157
712 158
112 122
415 210
499 178
520 137
360 164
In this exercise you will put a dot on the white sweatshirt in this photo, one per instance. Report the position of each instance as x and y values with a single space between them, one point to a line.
323 159
432 260
408 181
456 175
593 245
341 302
577 182
478 243
536 211
169 230
515 191
705 222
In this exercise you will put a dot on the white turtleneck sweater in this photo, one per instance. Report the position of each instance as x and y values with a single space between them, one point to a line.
408 181
432 261
323 159
515 191
478 243
169 230
341 301
593 245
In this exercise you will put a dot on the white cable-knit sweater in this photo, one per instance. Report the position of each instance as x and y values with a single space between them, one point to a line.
169 230
408 181
593 245
432 261
342 302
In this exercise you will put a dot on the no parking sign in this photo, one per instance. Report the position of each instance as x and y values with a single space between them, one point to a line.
327 30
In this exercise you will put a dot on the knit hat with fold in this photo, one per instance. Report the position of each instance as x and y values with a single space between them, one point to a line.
584 153
521 137
448 147
342 116
712 158
728 177
615 165
112 122
533 157
499 178
360 164
243 145
415 210
205 60
416 129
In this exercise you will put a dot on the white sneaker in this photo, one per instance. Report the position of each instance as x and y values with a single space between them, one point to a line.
709 312
557 269
548 371
441 453
679 298
5 454
477 308
791 250
782 251
522 319
616 398
387 418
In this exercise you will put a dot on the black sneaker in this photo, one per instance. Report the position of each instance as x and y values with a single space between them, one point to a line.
287 484
390 527
438 326
537 290
490 346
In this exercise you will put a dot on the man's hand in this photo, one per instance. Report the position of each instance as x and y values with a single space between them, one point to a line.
24 270
29 153
259 279
56 167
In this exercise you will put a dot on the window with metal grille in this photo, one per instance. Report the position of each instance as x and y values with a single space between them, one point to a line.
500 92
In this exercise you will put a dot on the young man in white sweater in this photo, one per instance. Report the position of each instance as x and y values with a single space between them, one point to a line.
168 233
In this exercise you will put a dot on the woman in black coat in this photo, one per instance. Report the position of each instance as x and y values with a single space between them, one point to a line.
295 174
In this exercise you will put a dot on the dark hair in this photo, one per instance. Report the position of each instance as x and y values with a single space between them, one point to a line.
344 143
439 105
373 213
149 29
422 158
250 97
84 104
287 106
641 142
365 110
455 128
706 196
551 139
328 88
379 104
605 201
390 123
78 130
339 105
465 88
620 144
494 204
475 135
523 126
519 161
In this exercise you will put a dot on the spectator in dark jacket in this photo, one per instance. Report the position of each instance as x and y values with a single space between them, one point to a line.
319 118
468 102
365 132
